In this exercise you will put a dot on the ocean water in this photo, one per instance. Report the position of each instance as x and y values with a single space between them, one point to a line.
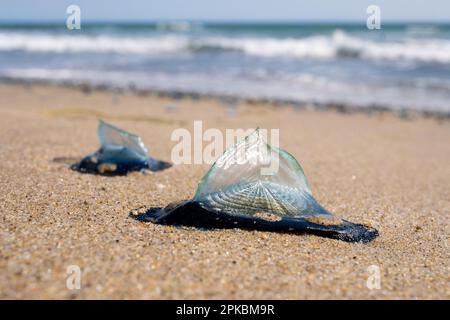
399 66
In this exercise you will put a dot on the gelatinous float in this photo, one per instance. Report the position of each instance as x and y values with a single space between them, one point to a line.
120 152
256 186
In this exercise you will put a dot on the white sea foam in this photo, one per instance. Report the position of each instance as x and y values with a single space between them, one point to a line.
338 44
179 26
92 44
301 87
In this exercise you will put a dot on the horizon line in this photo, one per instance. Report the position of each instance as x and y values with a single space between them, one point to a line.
219 21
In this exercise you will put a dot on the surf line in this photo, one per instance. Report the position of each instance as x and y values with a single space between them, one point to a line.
193 310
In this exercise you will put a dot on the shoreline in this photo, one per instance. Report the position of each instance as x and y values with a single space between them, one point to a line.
230 100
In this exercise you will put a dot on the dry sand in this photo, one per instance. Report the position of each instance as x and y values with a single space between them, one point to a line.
391 173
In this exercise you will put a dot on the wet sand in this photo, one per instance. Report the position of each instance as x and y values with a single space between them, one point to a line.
378 169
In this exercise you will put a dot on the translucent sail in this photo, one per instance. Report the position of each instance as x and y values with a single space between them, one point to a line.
253 177
256 186
120 152
120 146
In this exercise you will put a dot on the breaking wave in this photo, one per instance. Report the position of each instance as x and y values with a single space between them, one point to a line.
336 45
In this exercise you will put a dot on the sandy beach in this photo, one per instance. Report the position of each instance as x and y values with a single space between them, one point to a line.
377 169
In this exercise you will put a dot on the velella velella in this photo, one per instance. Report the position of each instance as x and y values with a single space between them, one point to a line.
120 152
256 186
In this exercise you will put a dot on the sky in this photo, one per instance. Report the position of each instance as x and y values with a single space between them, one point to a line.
225 10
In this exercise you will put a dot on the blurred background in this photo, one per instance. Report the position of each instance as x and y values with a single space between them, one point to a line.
303 51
